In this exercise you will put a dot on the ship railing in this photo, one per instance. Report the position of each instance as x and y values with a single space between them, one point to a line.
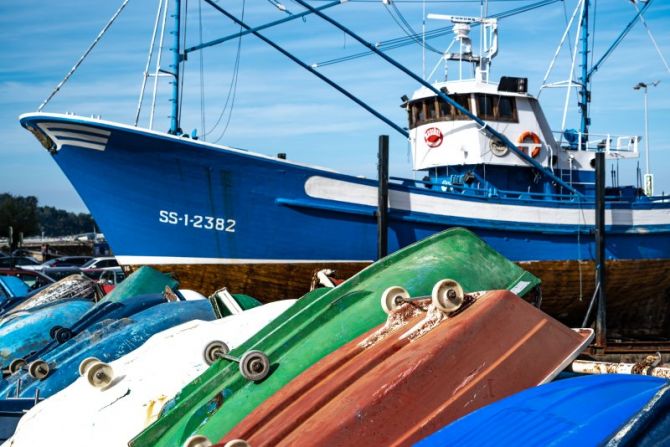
614 146
459 190
482 192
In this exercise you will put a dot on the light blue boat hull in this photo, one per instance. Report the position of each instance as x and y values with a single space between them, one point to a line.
107 341
28 333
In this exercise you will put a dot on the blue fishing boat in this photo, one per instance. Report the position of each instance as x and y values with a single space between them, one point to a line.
617 410
488 159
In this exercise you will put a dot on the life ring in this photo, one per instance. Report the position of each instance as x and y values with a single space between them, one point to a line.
535 151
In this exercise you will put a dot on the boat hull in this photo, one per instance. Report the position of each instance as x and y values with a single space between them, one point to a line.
320 323
189 207
619 410
638 291
105 341
149 377
405 379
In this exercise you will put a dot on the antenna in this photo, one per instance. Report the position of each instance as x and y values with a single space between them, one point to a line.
489 44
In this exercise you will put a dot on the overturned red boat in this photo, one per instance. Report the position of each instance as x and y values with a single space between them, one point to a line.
431 363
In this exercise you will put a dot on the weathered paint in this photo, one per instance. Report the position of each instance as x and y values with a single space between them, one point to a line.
147 378
106 341
29 332
316 326
397 384
110 311
73 286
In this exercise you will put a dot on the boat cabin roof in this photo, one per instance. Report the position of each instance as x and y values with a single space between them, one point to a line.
470 86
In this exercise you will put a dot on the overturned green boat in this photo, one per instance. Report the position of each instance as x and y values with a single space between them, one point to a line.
320 323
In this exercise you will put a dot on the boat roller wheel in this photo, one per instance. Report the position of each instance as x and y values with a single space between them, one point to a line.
393 297
447 295
254 365
38 369
52 331
214 350
99 375
84 365
62 334
237 443
198 441
16 365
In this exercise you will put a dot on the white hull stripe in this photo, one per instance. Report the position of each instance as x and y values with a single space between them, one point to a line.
177 260
78 136
87 129
343 191
72 137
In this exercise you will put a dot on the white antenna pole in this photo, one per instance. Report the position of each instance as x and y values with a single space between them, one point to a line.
572 68
560 45
158 66
149 57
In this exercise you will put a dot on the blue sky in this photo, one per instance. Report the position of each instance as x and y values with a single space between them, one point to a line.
278 106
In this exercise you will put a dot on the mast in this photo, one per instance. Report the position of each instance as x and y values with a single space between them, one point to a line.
584 93
174 68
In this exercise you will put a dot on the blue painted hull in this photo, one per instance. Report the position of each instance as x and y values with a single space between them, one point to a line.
584 411
106 341
28 333
11 411
192 200
110 311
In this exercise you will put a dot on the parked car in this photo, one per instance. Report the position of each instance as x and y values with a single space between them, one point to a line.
17 261
92 268
95 267
110 277
34 280
23 252
63 261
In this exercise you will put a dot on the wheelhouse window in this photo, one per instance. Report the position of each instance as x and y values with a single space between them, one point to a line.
496 108
433 109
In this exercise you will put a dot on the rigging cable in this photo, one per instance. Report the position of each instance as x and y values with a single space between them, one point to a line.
233 87
399 42
81 59
233 82
404 25
651 36
152 45
202 73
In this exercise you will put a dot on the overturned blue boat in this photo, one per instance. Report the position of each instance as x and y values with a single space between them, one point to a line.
613 410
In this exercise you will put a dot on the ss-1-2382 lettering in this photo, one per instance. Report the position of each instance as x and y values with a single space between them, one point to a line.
197 221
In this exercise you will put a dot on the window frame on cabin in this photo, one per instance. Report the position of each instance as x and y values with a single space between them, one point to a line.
495 101
432 109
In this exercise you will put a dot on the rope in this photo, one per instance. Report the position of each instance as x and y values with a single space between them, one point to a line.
232 92
81 59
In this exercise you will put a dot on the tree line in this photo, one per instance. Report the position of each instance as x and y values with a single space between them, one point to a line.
25 216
